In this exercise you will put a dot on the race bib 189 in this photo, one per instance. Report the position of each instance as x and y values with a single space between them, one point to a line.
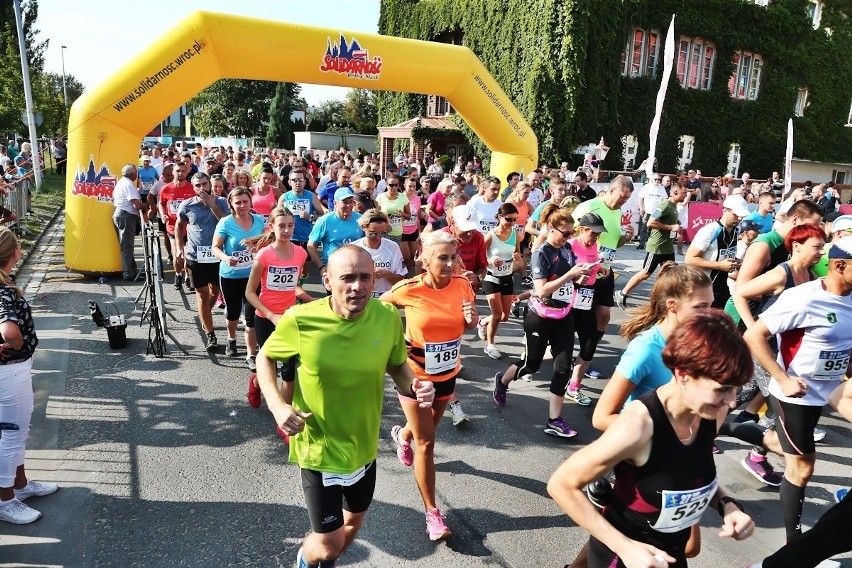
682 509
442 357
282 278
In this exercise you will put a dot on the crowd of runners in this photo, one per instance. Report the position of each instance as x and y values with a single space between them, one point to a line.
403 249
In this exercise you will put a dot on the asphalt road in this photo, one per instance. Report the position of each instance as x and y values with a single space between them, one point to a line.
162 463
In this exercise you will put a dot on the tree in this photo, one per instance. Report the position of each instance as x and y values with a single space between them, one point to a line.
279 134
360 112
49 100
233 107
327 116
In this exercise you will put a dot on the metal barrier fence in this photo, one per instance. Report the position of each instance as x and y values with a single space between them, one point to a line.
17 201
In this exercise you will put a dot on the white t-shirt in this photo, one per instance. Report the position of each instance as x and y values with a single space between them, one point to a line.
485 213
820 355
535 198
387 256
652 195
125 191
707 241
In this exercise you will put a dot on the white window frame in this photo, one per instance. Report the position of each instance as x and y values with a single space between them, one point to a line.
686 146
648 56
734 158
839 176
694 67
815 12
745 82
801 102
630 149
849 119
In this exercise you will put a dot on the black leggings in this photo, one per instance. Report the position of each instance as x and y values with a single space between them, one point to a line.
234 293
559 334
586 325
264 328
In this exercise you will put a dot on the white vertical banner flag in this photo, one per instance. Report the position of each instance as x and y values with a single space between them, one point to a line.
668 63
788 160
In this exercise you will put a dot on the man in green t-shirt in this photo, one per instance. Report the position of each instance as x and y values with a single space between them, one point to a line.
344 343
660 244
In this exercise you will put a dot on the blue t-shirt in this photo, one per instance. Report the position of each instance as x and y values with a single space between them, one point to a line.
536 215
326 193
333 232
147 177
764 222
642 362
297 203
233 246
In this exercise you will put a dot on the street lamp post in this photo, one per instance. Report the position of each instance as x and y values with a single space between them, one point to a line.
64 89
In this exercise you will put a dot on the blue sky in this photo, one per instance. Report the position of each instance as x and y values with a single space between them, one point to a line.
100 35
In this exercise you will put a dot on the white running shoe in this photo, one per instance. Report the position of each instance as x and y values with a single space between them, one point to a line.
492 351
458 414
35 489
13 511
480 329
819 434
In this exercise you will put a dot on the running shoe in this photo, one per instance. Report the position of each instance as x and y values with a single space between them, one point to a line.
745 417
526 377
212 343
301 563
592 373
526 282
480 329
189 286
35 489
620 299
253 394
403 448
15 512
178 281
251 362
559 428
760 467
435 525
492 351
499 390
840 494
516 309
458 413
576 395
231 349
220 301
767 422
819 434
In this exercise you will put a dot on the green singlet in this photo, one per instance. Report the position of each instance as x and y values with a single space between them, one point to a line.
340 379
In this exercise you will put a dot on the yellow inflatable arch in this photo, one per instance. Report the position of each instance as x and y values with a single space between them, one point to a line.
108 122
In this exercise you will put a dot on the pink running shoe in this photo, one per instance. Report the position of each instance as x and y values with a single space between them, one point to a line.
403 448
435 525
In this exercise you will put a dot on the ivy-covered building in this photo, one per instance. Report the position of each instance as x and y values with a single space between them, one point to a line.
582 69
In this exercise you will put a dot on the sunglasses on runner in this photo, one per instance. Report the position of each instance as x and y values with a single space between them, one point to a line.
374 234
510 219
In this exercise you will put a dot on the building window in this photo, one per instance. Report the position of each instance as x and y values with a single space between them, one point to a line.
630 143
695 63
762 2
641 53
745 82
686 145
849 119
815 12
734 160
438 106
801 102
839 176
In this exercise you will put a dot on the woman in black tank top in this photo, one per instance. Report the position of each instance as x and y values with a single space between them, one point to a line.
654 504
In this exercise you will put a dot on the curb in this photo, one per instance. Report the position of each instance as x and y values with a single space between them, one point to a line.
26 256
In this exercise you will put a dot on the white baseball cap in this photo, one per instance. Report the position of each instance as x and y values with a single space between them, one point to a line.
736 204
464 219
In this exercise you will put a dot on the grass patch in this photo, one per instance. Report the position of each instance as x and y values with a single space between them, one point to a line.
46 202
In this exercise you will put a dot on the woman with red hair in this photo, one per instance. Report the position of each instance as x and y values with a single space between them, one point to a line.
653 505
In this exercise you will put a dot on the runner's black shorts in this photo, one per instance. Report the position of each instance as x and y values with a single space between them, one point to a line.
326 504
410 237
794 424
652 261
605 291
203 273
443 389
504 285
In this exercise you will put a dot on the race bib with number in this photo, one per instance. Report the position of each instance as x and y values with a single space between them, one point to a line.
411 222
299 205
728 254
564 293
146 187
485 226
518 229
442 357
584 299
606 254
204 255
244 258
682 509
344 479
504 269
395 223
174 205
831 365
282 278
